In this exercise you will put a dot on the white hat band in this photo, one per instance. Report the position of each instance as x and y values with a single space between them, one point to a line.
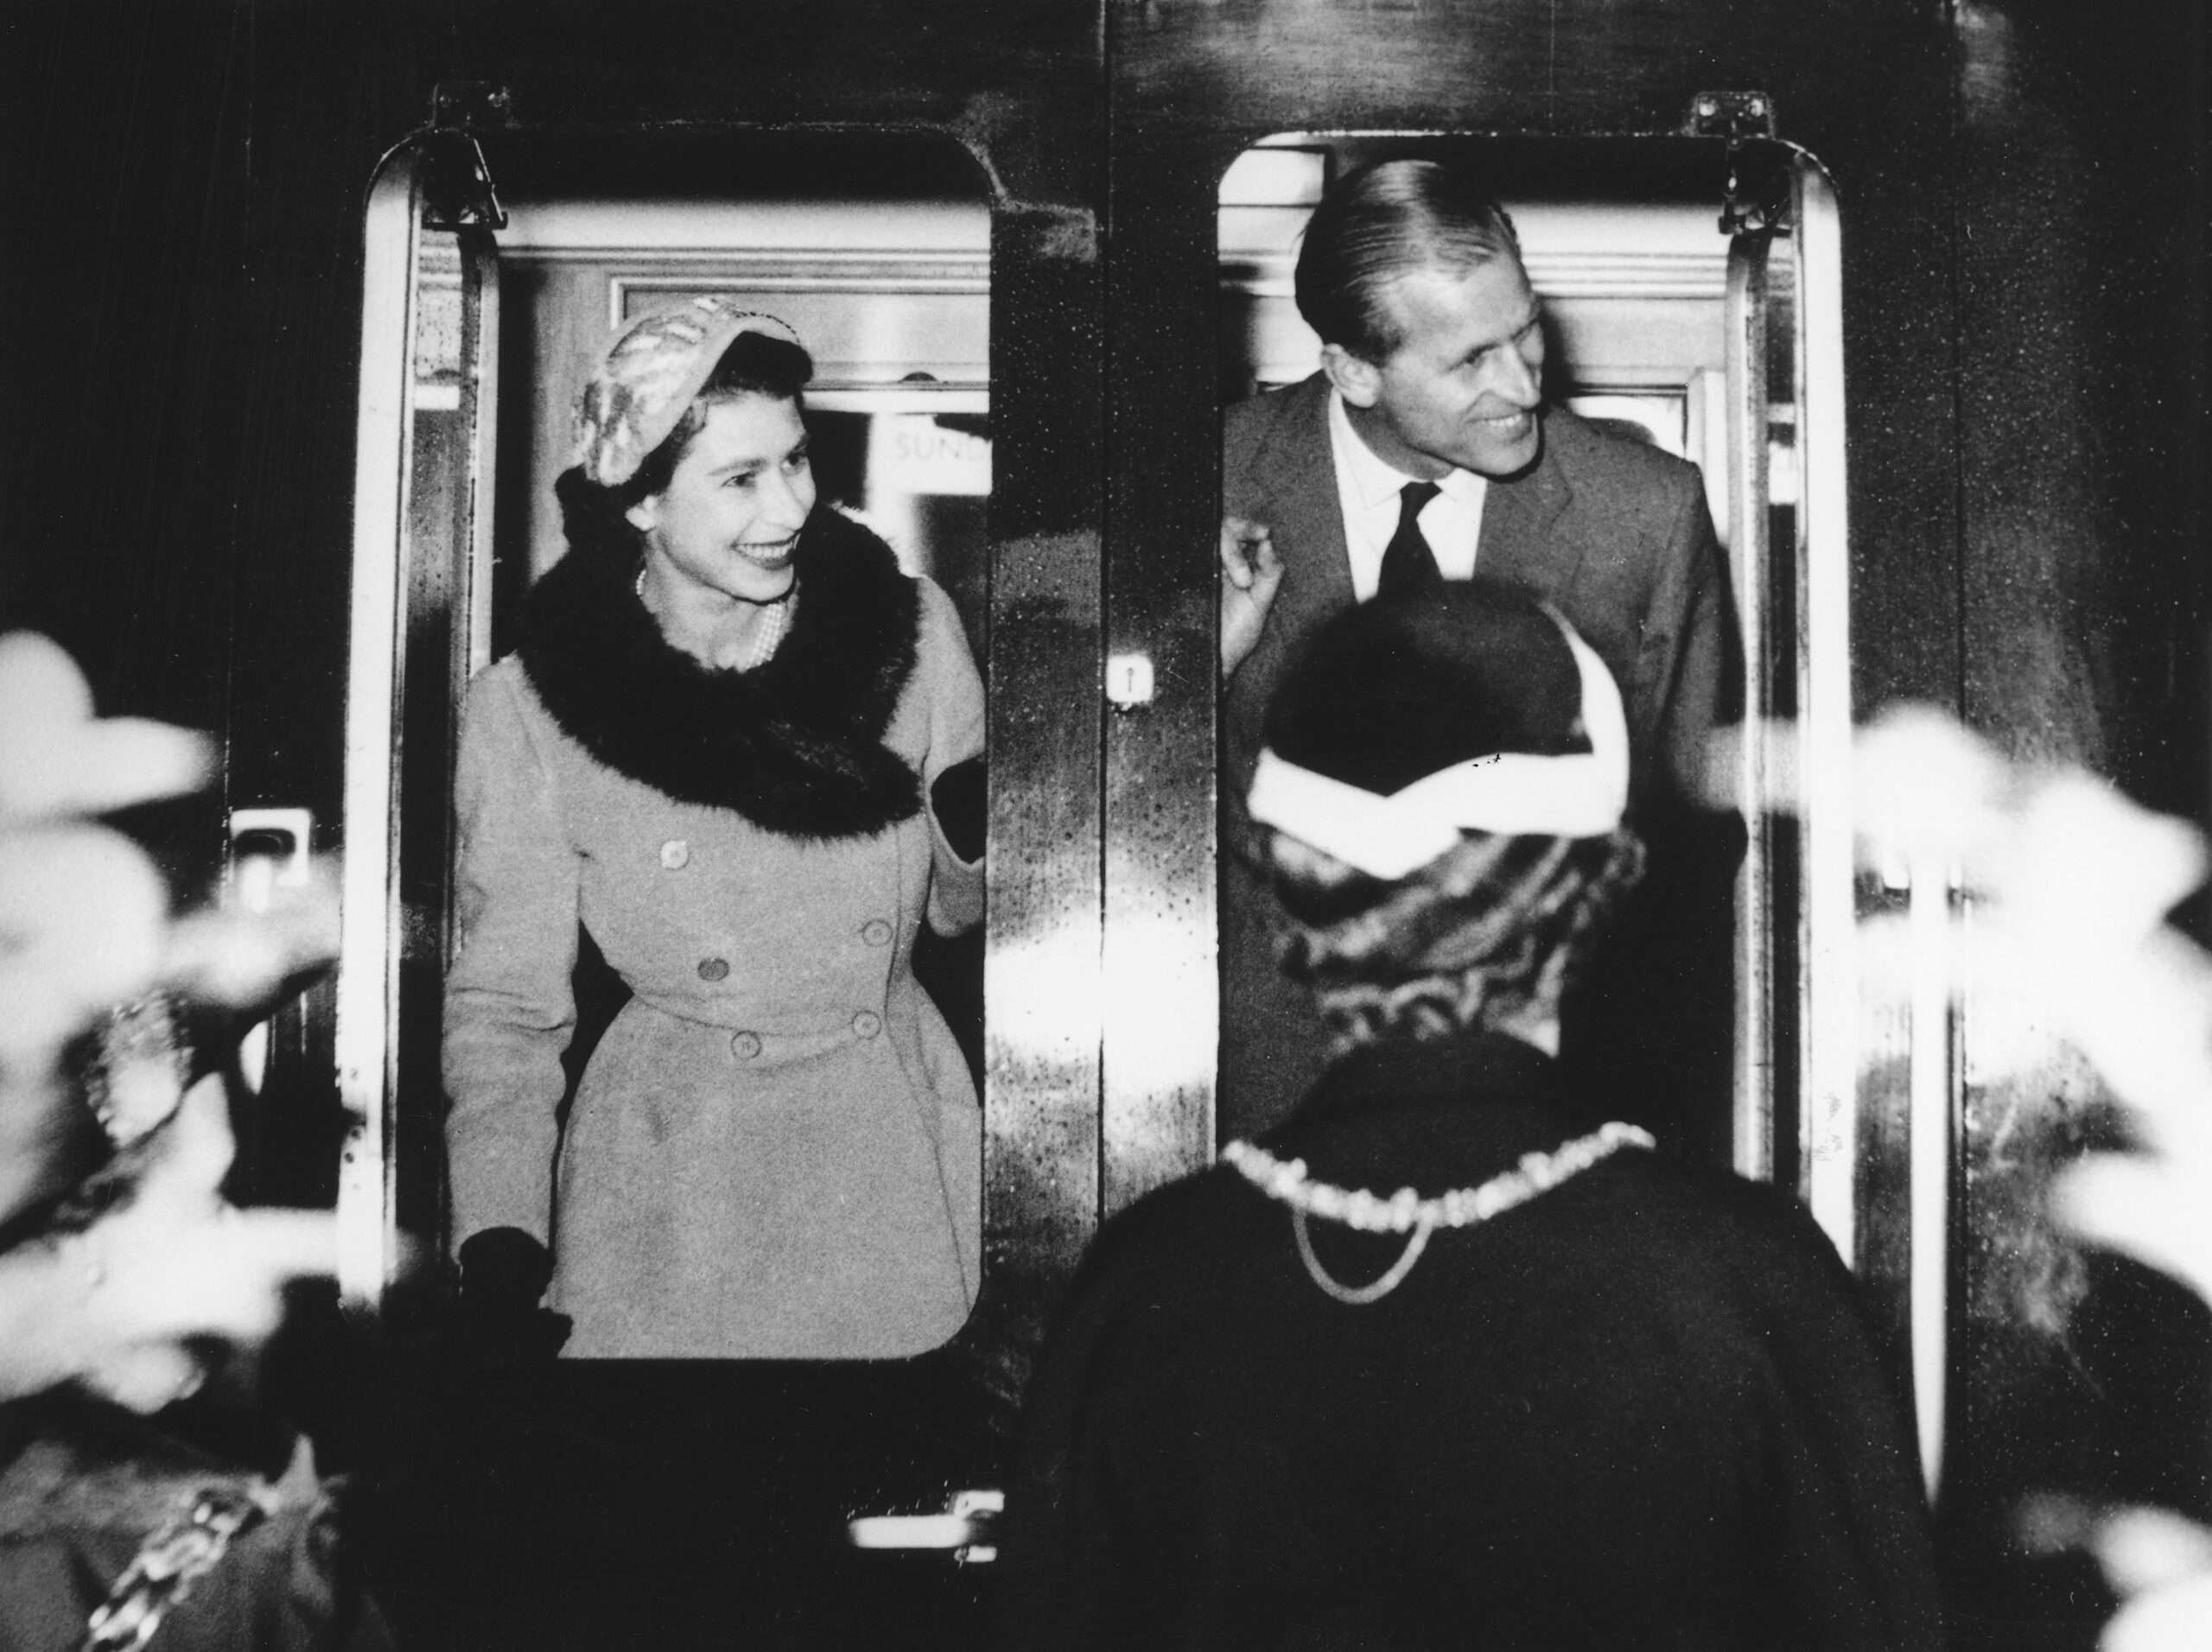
1514 793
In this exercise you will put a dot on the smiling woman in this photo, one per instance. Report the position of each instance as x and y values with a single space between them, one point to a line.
738 747
719 537
721 502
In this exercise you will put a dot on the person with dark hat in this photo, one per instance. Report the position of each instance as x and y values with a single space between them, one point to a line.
1453 1357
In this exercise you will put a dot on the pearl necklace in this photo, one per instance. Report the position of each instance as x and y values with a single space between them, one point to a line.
770 635
1405 1210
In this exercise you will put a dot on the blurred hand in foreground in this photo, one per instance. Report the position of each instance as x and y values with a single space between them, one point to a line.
148 1258
115 1305
2073 884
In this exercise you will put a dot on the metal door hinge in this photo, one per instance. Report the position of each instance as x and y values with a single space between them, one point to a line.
457 192
1735 115
1756 196
467 104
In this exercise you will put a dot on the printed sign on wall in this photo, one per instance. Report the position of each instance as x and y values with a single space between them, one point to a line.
910 452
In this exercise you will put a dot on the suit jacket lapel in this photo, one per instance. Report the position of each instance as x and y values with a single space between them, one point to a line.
1297 475
1517 521
1292 480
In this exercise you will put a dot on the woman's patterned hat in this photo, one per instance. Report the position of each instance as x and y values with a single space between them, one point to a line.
651 375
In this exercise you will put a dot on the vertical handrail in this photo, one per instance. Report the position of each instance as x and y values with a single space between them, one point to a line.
1753 1128
481 290
470 650
1932 1067
1828 1025
368 959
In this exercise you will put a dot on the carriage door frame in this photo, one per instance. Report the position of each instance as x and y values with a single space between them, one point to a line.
423 576
429 336
1795 1116
1797 1033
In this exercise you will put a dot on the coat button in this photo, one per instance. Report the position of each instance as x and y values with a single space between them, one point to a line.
867 1024
713 968
745 1045
876 932
676 854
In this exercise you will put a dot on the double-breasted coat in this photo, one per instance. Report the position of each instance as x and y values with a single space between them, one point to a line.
774 1151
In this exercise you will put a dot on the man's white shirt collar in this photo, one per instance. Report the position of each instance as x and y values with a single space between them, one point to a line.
1368 490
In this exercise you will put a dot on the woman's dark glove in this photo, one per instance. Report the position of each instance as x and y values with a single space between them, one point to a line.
504 1273
957 799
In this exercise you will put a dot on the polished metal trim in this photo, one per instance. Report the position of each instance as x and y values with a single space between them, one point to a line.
902 273
1829 1024
844 396
1932 1114
1752 1132
1553 275
482 254
368 961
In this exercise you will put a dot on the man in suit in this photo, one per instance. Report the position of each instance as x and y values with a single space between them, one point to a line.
1422 451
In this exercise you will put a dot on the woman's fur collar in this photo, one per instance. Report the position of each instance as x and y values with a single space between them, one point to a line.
796 745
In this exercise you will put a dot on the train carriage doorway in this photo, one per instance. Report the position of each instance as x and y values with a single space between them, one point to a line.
477 336
1721 348
481 314
1692 297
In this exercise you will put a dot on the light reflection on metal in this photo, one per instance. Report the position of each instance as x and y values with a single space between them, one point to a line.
1932 1114
1829 1024
481 290
969 1527
1160 1031
1039 987
1160 1034
368 959
1042 926
1752 1132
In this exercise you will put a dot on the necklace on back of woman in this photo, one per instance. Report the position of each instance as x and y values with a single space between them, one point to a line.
1405 1210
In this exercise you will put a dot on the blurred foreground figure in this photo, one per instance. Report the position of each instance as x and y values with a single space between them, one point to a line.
1448 1360
2073 884
124 1273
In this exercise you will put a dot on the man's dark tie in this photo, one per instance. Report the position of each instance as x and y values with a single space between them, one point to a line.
1408 563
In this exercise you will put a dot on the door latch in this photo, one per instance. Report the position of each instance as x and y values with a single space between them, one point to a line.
270 850
1129 681
969 1527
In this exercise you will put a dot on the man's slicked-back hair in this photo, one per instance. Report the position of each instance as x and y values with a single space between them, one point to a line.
1382 222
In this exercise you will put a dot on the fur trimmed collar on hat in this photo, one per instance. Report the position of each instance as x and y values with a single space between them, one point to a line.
795 745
